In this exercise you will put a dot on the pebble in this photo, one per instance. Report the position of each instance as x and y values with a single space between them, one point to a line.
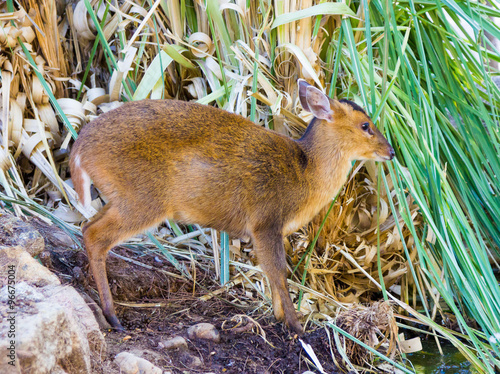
175 342
131 364
205 331
191 360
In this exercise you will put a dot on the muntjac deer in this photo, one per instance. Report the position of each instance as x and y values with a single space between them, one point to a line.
166 159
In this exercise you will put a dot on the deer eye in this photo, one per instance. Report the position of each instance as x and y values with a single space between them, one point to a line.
365 126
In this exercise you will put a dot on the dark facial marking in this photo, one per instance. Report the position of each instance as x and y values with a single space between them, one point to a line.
353 105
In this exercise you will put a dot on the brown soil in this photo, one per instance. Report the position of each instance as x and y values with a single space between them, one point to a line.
245 351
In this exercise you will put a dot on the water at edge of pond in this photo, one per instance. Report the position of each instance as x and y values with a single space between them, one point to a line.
430 361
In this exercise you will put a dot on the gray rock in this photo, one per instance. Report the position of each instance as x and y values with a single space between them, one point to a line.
53 329
47 338
48 329
77 309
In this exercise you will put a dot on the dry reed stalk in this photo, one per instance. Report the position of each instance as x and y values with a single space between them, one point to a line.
44 14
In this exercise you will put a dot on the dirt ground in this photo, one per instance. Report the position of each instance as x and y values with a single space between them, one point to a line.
242 348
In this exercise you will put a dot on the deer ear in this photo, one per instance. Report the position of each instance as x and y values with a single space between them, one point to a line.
318 103
302 94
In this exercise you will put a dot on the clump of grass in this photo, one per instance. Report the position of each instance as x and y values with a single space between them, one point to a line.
375 326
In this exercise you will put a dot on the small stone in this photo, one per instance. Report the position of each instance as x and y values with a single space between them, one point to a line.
60 237
174 343
196 362
131 364
205 331
45 258
191 361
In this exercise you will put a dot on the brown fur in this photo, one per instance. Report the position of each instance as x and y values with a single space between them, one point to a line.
159 159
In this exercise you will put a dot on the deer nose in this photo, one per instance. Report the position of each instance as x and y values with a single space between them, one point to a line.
392 153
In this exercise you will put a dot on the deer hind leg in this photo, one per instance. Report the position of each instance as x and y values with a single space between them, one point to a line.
271 256
107 229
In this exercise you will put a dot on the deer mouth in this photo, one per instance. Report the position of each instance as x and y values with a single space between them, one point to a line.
386 157
382 158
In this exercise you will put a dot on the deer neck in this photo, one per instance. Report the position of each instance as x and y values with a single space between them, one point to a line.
329 160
